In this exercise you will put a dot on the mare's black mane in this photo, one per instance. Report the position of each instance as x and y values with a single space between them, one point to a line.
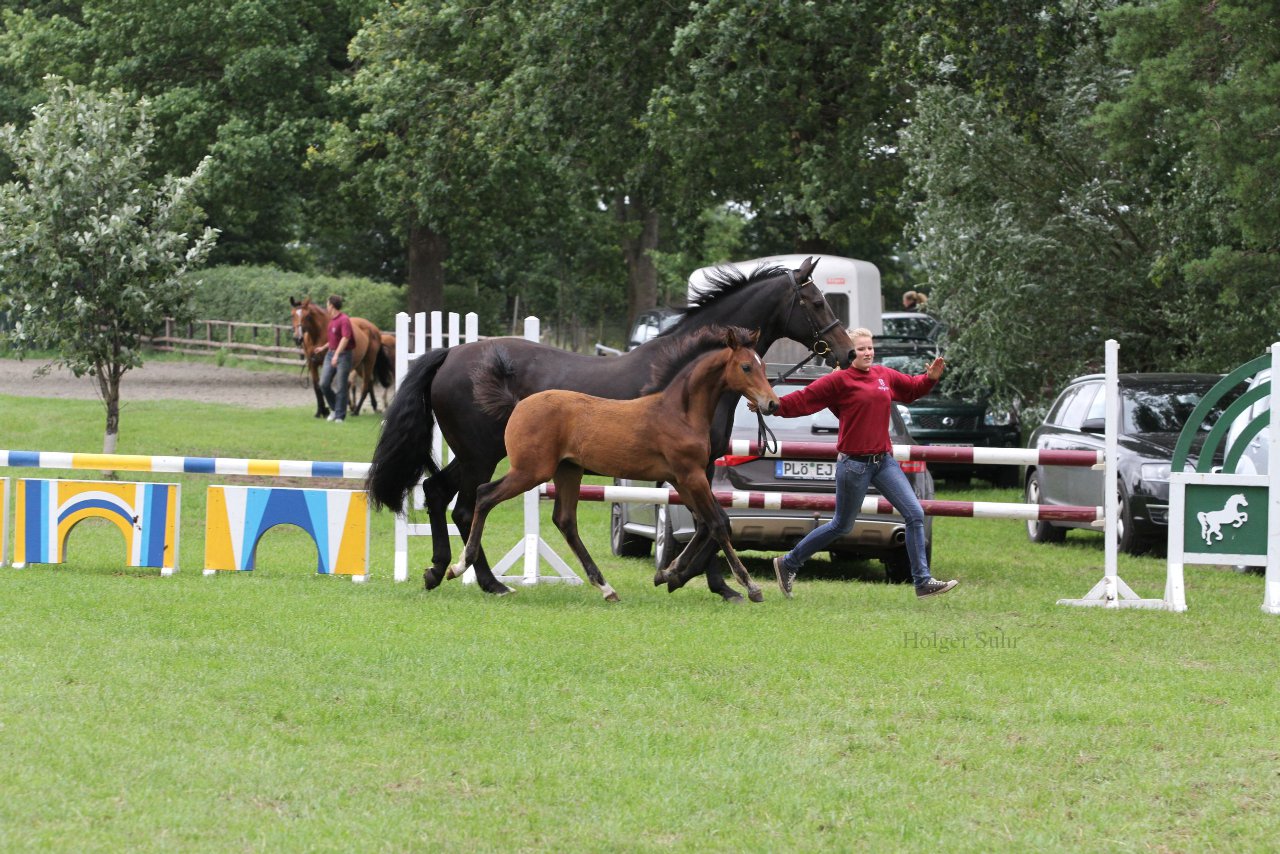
722 282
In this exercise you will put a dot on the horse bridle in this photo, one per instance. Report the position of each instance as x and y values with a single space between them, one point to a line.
765 439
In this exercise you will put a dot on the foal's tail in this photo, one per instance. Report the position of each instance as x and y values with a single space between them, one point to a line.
404 447
383 370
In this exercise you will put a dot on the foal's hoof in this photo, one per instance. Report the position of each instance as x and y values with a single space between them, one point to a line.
432 577
756 595
455 571
660 578
502 590
734 599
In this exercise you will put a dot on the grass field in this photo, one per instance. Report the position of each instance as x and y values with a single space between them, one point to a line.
281 711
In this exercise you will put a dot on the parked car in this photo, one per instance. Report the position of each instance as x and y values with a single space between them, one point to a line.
1153 410
940 419
910 326
636 526
1254 460
650 323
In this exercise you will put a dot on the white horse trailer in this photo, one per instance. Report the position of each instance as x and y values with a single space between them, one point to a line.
851 287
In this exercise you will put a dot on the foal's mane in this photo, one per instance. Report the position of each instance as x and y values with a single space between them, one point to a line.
680 352
722 283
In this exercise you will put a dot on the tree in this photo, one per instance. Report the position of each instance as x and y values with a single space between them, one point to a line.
94 251
425 73
781 107
1197 125
246 81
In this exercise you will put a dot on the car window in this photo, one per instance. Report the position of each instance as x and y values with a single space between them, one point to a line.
1164 410
1060 405
1097 409
1077 408
918 326
909 365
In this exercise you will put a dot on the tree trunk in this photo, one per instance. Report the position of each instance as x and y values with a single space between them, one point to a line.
427 252
642 275
109 388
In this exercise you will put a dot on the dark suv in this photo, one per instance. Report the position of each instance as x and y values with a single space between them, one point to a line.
1153 410
635 526
939 419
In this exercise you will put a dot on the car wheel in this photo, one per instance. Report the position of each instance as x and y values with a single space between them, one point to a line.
623 543
1127 538
897 567
1039 531
665 547
1004 477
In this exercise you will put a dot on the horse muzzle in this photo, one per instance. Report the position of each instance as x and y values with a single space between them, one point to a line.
768 407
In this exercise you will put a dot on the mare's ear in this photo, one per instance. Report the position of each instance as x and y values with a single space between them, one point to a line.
806 269
293 302
752 337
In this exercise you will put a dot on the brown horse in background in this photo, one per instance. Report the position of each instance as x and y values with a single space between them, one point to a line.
311 332
664 436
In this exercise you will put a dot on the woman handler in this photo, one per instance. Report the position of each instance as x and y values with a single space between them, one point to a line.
861 397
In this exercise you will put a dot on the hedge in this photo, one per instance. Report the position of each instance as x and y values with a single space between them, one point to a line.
261 295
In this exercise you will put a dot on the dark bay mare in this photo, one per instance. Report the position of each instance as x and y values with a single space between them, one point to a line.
661 436
439 387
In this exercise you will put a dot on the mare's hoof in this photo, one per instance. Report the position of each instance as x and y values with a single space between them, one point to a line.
455 571
735 599
503 590
756 595
432 577
612 597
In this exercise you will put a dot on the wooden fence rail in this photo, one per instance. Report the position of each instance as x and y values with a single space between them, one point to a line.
263 342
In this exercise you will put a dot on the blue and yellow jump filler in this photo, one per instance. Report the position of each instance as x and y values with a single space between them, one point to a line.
146 514
337 520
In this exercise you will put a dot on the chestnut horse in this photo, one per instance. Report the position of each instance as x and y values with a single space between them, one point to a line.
663 436
311 333
438 387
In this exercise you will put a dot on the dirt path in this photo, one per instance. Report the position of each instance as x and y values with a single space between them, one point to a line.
166 380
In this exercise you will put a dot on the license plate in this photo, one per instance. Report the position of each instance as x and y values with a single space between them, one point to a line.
804 470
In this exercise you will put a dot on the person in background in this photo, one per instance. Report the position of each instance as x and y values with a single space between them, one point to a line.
914 301
861 396
337 361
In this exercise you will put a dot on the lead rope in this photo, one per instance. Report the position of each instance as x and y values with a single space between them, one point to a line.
766 441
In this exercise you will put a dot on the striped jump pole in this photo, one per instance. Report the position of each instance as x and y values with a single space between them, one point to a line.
928 453
187 465
872 505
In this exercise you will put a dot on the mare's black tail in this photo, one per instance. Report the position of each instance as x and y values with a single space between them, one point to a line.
404 447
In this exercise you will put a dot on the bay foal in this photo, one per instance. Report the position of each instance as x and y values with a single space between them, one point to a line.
663 436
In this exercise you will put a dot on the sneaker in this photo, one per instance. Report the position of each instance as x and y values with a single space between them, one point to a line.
331 417
337 420
934 587
784 576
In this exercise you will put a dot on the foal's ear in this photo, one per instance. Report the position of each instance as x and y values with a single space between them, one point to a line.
293 302
806 269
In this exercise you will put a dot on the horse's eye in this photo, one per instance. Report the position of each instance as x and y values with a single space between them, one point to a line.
746 367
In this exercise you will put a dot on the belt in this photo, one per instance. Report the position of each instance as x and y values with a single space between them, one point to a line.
862 458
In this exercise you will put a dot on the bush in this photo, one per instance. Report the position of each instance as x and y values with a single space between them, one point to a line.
261 295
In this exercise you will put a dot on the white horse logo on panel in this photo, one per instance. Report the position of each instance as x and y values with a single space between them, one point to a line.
1211 523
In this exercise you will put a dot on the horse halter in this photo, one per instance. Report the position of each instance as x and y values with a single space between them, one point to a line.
819 347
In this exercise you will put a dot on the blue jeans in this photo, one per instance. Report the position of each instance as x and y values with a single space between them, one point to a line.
853 477
336 398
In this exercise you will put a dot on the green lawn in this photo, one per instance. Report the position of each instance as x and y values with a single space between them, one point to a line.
279 710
